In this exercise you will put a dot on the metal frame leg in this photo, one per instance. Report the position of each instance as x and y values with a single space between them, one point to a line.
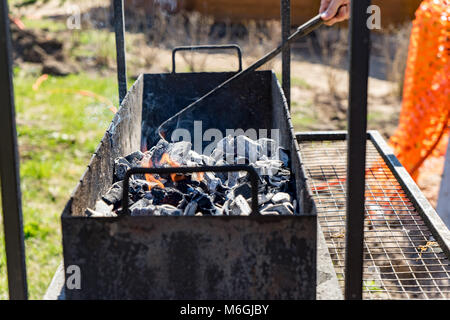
356 139
9 169
119 26
286 54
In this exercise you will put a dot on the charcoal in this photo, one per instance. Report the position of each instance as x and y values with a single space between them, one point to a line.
282 208
168 210
166 196
208 161
195 157
121 166
143 203
264 198
226 207
232 179
157 151
281 197
103 208
191 209
184 186
114 195
269 148
204 202
268 167
179 151
206 206
244 190
283 155
143 211
223 176
240 207
284 173
148 195
247 148
269 213
212 181
138 187
216 193
277 181
218 155
241 160
135 158
226 145
158 195
94 214
240 147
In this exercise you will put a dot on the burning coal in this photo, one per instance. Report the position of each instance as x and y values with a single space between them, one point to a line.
204 193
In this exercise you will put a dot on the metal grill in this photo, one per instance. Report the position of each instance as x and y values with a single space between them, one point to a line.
402 259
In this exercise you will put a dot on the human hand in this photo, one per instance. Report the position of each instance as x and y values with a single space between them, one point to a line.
333 11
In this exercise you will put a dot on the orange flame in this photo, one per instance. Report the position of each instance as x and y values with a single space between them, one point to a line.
166 159
149 177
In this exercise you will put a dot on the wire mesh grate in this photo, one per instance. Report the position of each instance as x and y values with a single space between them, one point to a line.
402 260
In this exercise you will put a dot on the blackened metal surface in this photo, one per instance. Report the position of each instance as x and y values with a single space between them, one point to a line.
192 257
253 176
245 104
208 48
288 140
286 54
119 27
179 257
356 157
9 168
122 137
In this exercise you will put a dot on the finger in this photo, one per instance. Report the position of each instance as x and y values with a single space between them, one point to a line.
324 5
342 15
332 10
330 22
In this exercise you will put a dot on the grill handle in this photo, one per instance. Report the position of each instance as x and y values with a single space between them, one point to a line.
207 47
254 179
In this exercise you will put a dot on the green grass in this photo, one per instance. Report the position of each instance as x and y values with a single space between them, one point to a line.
296 82
303 115
44 24
58 130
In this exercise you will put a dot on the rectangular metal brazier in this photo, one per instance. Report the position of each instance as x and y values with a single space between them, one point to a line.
253 257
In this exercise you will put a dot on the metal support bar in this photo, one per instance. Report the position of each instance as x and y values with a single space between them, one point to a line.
119 26
286 55
208 47
9 169
356 158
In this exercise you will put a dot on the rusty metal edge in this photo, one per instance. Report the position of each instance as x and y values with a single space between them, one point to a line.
421 204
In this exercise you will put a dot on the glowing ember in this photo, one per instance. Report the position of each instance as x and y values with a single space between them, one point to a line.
149 177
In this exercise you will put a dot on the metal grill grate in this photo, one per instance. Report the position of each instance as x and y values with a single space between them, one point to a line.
402 260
